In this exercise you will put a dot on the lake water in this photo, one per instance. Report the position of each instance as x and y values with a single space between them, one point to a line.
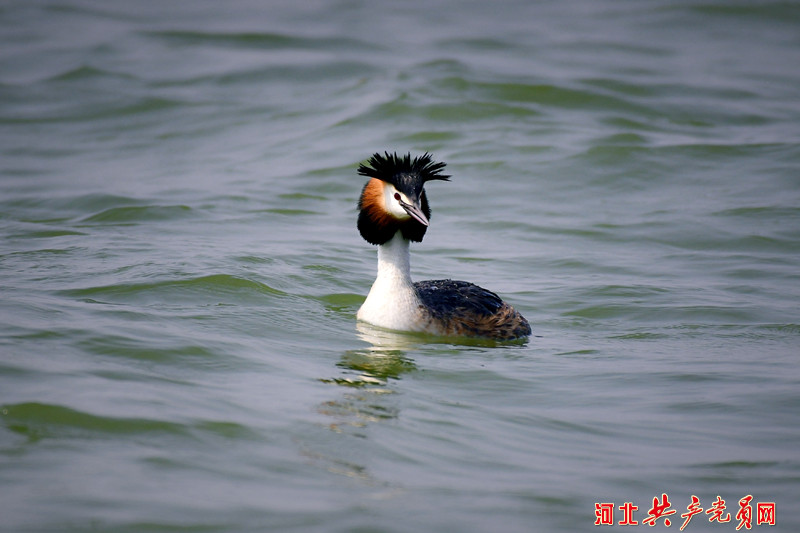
180 267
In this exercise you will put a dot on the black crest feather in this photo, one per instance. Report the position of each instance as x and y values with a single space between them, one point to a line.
404 173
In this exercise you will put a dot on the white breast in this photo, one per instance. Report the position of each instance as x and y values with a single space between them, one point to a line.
392 302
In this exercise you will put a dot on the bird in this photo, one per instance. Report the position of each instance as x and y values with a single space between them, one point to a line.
393 211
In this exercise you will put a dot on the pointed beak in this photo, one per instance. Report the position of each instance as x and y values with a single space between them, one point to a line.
415 213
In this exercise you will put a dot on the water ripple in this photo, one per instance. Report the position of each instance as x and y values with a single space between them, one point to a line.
261 40
133 214
167 290
39 421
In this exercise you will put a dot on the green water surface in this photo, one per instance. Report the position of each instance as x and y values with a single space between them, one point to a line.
180 267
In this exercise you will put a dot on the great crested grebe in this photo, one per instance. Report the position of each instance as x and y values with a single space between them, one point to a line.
393 210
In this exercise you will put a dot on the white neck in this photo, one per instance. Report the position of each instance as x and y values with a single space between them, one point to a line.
392 302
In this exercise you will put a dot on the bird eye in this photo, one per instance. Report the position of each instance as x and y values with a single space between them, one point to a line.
397 196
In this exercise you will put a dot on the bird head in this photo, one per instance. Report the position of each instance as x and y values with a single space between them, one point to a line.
394 197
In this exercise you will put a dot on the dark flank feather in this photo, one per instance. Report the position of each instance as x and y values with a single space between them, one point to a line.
465 309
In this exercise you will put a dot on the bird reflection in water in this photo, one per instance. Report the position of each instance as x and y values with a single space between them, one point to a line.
367 372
